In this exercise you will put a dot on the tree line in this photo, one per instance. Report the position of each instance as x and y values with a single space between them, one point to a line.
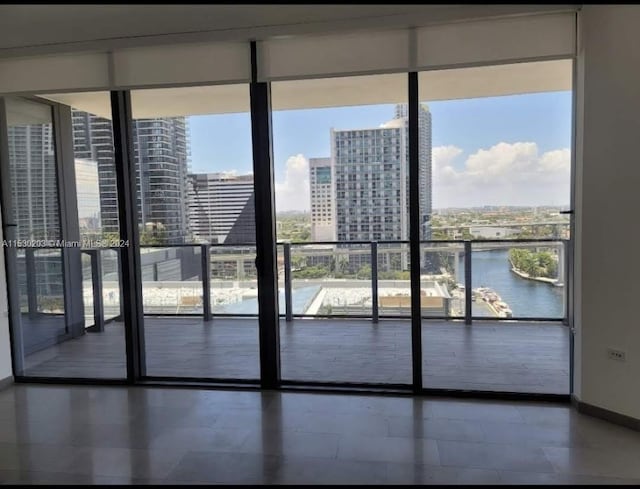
534 263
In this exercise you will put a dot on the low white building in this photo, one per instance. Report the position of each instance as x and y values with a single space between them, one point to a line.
492 232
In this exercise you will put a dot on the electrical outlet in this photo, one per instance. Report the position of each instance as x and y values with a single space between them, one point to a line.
618 355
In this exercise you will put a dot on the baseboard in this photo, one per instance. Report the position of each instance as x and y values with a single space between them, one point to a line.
6 382
607 415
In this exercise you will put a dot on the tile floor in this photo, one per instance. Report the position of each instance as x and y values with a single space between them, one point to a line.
119 435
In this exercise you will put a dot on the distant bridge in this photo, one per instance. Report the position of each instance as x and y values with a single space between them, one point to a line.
505 225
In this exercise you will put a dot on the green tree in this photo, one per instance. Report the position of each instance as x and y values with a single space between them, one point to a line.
151 237
311 272
534 264
298 262
341 264
364 272
147 237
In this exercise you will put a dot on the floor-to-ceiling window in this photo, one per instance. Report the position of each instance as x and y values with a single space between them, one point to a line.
492 165
196 216
60 159
34 213
501 172
341 192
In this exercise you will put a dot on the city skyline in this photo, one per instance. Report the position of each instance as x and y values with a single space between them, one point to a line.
486 151
458 174
161 147
371 178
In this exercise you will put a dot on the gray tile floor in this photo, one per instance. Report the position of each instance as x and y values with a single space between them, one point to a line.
84 435
495 356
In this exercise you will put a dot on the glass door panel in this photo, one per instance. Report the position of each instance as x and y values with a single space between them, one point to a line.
341 167
501 161
196 216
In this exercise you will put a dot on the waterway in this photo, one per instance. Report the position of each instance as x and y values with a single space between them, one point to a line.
526 298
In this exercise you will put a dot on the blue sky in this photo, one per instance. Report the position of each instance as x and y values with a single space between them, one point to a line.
465 127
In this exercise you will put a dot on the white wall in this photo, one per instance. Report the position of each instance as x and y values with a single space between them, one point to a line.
5 345
608 199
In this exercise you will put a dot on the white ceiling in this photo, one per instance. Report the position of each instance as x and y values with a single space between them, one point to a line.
459 83
37 29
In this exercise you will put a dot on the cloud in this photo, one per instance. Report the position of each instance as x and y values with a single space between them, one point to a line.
293 192
504 174
556 161
442 159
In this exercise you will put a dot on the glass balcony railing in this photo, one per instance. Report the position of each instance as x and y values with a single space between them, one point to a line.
393 279
442 279
234 280
328 279
111 285
524 279
40 281
172 280
101 292
502 279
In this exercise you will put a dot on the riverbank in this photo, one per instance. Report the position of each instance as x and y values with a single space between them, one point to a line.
546 280
493 302
526 298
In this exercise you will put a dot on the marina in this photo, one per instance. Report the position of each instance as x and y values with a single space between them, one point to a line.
493 302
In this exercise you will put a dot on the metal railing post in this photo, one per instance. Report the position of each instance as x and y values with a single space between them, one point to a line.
205 254
374 281
32 291
96 281
120 284
468 292
287 283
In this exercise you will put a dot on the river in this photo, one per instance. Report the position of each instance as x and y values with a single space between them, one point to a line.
526 298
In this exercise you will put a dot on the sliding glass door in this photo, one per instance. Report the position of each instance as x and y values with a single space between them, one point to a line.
342 213
487 285
61 288
501 161
196 220
32 216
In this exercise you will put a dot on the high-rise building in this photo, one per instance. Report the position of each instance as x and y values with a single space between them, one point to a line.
372 179
161 157
34 195
322 199
33 180
424 158
222 208
161 150
93 140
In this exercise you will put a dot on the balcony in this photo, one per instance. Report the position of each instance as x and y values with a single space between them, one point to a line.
344 309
